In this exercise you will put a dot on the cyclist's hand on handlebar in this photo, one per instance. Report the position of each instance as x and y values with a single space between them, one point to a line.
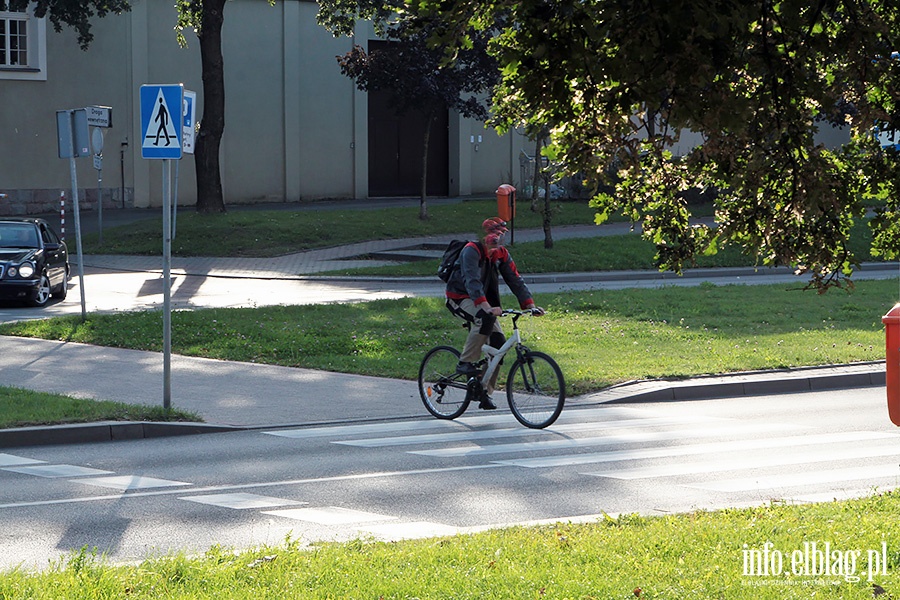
537 311
495 311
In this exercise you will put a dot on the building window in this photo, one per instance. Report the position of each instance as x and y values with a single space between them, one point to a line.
22 46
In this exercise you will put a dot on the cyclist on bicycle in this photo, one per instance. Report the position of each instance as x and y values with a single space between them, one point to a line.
473 294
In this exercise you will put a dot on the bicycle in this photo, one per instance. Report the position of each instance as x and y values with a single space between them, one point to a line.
535 388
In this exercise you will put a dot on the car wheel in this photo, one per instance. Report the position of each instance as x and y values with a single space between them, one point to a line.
42 293
63 289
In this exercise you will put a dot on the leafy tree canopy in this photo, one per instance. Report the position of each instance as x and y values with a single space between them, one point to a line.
618 82
415 76
76 14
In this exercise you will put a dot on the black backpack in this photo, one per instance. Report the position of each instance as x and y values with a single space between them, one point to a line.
450 259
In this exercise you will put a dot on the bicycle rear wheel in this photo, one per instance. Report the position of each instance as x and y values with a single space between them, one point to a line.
536 390
442 389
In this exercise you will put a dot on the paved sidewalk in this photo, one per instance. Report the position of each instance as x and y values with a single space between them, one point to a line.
231 395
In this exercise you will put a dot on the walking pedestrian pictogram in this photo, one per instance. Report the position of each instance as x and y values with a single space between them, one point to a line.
162 132
162 117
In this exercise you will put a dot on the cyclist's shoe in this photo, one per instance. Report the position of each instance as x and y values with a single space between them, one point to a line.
486 403
472 389
466 368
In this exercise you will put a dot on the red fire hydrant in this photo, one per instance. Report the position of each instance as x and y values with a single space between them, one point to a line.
892 361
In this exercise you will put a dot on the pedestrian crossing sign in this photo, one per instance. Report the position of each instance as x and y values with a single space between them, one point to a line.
161 108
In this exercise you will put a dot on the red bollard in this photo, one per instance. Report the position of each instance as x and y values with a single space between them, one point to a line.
506 202
892 361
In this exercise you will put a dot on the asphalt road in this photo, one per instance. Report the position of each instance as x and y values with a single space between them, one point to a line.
424 477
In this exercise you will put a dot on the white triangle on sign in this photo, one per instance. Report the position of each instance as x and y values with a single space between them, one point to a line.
161 130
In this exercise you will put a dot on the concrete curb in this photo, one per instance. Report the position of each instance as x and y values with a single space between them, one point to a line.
727 386
106 431
605 276
692 390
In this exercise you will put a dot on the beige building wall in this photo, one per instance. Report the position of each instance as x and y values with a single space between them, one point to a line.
296 128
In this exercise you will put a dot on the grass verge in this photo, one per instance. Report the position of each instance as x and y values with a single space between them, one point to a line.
701 555
256 233
23 408
599 338
604 253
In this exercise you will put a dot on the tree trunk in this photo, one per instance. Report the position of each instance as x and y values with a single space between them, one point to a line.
206 158
548 235
423 208
537 174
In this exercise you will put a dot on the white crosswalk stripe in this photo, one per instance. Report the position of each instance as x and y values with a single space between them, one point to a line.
800 478
816 455
707 449
607 440
491 434
723 454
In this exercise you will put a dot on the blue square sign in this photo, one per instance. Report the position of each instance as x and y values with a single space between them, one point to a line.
161 131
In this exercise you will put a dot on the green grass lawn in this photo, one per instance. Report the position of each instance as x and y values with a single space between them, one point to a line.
696 556
257 233
22 408
599 338
606 253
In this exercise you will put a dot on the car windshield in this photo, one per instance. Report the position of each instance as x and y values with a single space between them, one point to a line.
18 235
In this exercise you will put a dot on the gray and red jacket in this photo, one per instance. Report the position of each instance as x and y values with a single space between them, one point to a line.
476 277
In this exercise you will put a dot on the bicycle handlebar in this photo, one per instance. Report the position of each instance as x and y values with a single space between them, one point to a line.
510 311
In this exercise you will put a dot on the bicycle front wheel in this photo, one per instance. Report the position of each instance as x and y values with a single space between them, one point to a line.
442 389
536 390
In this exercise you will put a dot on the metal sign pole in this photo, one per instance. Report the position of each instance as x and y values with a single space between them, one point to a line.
97 144
74 174
175 201
158 130
167 285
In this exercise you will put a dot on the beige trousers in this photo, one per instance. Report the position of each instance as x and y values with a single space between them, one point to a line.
471 351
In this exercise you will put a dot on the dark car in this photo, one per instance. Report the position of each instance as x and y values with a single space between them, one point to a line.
34 262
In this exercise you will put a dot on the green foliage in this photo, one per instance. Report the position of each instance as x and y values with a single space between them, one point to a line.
620 83
76 14
416 76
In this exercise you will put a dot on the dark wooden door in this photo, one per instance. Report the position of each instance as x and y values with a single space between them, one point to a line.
395 150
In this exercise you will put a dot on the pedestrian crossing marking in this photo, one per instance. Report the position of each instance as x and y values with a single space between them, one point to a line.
130 482
841 494
9 460
367 429
785 480
455 425
329 515
751 462
53 471
395 532
607 440
459 436
241 501
709 448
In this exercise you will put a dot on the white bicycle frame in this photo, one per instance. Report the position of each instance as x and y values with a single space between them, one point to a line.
497 354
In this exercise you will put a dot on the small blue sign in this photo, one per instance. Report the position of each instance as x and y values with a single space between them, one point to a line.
161 115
